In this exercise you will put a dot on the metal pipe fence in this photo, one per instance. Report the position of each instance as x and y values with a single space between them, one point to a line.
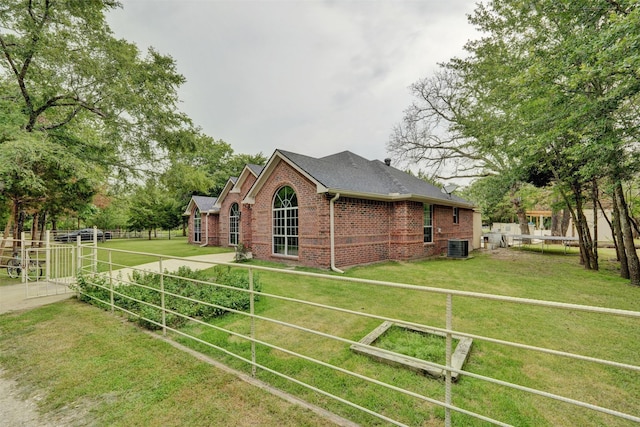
252 340
45 267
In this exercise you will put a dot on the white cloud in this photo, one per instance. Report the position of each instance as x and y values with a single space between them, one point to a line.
307 76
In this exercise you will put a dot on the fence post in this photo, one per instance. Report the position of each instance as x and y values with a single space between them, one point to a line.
447 392
47 255
23 261
164 313
94 268
253 323
111 283
79 253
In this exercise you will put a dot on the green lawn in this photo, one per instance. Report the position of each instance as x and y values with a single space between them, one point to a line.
177 247
86 367
515 273
520 273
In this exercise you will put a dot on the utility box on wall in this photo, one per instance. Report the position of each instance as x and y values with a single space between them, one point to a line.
458 248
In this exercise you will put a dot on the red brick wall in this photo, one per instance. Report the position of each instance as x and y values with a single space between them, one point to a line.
246 237
406 239
365 231
245 215
212 231
313 219
211 234
190 228
362 229
444 228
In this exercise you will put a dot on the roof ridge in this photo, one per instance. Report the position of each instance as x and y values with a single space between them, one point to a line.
350 156
385 169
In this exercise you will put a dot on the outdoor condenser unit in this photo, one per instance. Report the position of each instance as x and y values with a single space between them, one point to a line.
458 248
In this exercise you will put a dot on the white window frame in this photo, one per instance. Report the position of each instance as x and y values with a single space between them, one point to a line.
234 224
427 210
197 226
285 240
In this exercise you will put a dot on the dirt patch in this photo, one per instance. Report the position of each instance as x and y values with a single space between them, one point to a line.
507 254
17 411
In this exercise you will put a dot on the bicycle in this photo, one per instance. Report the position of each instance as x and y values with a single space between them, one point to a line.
15 266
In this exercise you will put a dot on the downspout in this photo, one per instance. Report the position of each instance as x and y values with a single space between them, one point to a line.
332 233
206 232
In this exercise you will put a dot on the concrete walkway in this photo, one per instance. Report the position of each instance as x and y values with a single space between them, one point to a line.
14 297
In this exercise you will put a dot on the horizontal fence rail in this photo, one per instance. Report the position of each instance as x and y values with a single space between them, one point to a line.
45 267
112 288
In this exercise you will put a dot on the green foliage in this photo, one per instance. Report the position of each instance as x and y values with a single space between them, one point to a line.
151 208
35 170
144 298
205 169
101 106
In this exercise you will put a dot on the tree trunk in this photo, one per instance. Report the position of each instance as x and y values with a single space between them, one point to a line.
43 225
149 234
627 237
617 240
520 212
582 227
555 223
19 228
566 216
34 230
594 201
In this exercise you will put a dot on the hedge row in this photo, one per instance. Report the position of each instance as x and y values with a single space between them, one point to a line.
94 289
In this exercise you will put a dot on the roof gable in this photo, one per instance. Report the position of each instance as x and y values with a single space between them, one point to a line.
225 190
202 203
249 170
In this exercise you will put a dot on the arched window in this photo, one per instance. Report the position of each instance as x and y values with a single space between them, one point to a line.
234 224
285 222
197 226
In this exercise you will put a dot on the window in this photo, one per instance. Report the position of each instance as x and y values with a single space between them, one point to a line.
197 226
234 224
456 216
285 222
428 223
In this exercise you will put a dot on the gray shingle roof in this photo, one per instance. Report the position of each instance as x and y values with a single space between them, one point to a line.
256 169
204 203
351 173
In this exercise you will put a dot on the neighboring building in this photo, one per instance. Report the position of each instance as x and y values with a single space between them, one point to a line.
336 211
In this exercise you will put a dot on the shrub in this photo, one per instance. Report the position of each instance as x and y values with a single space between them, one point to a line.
144 298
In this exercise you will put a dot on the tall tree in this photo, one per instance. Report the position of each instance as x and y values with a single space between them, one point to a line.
559 86
36 172
64 74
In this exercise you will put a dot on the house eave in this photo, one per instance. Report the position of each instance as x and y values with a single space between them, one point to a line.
394 197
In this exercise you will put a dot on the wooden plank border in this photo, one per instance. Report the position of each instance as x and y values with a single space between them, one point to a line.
458 358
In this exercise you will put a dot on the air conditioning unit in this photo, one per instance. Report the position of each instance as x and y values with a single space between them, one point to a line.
458 248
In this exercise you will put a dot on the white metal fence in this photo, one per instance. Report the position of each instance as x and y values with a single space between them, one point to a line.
291 323
44 267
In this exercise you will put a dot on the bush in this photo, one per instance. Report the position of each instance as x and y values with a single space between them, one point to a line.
144 298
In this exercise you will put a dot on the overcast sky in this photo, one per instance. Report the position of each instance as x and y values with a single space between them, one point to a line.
313 77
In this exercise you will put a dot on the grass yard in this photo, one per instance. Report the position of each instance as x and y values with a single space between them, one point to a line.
86 367
516 273
80 357
176 247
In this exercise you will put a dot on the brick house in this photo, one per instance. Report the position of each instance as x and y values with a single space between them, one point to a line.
336 211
